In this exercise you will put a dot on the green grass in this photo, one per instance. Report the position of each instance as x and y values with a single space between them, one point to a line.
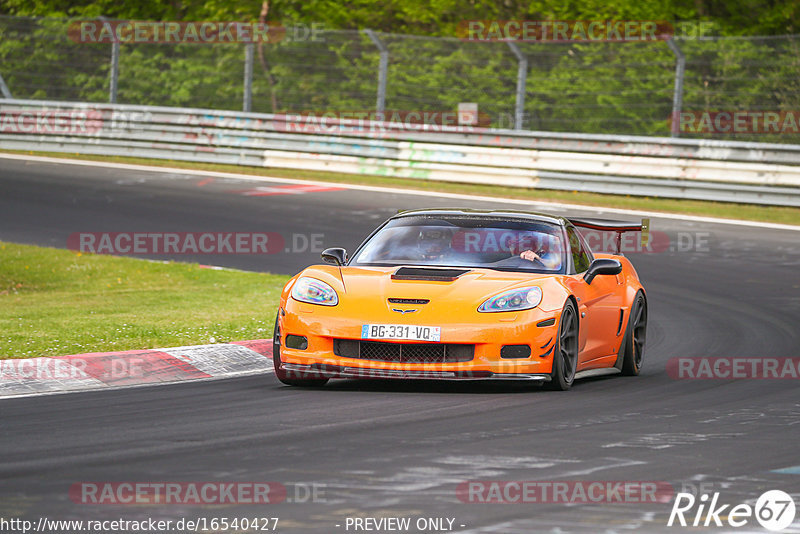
725 210
55 302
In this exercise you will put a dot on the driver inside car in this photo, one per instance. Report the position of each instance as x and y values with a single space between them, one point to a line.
539 248
435 244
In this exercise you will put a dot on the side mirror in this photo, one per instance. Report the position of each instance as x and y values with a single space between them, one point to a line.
601 266
336 255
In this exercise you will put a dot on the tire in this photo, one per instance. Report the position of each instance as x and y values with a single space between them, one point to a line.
565 355
635 336
282 375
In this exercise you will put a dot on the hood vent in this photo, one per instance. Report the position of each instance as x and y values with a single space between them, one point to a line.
424 273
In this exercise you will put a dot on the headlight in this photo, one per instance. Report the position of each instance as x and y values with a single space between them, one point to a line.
520 299
314 291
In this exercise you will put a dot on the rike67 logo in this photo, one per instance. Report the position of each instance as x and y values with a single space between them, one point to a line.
774 510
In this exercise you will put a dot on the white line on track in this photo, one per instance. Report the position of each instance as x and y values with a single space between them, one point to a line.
403 191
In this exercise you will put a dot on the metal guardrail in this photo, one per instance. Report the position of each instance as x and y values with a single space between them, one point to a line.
726 171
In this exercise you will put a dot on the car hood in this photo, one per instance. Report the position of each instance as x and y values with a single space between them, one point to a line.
472 287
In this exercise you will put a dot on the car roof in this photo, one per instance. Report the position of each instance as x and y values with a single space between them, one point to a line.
494 214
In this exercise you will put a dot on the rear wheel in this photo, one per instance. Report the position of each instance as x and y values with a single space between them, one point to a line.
635 337
284 376
565 355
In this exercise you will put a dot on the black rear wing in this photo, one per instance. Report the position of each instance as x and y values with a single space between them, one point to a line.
620 227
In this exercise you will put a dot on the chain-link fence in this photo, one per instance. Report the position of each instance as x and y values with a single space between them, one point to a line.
598 87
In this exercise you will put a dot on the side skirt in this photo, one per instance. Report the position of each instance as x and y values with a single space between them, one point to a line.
597 372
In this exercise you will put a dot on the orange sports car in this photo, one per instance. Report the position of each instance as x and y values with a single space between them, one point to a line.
461 294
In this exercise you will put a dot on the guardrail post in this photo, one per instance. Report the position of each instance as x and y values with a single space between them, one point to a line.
4 88
522 75
383 68
677 96
247 98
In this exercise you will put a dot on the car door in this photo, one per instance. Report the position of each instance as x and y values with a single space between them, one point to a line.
598 303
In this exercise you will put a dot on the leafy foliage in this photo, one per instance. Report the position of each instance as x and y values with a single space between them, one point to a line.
582 87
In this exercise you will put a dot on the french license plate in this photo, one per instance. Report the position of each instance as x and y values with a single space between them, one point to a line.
401 331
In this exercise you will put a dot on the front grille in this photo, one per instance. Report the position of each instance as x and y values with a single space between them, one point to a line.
385 352
403 352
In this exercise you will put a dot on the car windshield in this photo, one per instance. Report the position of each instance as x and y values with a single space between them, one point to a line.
502 244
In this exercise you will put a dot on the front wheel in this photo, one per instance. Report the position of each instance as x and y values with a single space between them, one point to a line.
565 355
284 376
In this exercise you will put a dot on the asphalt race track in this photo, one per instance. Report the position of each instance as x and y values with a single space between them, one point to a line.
401 449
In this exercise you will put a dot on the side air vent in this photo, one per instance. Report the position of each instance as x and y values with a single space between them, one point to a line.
515 351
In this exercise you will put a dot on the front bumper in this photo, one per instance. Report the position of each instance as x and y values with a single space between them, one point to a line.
337 371
488 334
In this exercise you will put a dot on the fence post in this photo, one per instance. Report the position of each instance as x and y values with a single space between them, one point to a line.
112 85
522 75
113 78
677 97
247 98
383 67
4 88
